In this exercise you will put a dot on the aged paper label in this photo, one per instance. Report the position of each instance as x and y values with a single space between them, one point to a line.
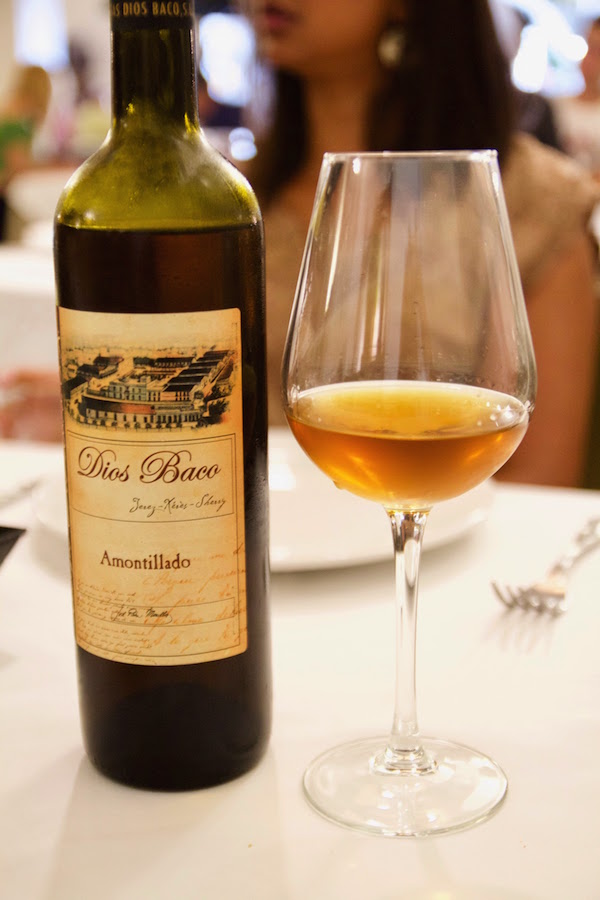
155 484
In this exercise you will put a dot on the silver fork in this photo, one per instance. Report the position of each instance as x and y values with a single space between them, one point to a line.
549 594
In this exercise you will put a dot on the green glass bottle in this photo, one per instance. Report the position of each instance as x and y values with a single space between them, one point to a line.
160 281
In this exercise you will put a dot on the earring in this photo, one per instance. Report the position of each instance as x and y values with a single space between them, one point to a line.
390 48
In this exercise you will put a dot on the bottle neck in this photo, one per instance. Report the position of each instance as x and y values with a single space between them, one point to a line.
153 70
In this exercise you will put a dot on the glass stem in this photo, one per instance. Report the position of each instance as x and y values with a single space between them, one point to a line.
404 753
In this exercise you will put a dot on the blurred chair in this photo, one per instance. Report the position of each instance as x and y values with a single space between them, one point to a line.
31 198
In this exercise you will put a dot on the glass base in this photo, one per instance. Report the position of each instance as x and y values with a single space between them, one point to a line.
451 787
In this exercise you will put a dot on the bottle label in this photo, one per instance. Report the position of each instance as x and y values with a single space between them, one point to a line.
155 484
126 15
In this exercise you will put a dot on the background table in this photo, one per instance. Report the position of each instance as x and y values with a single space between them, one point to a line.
27 309
524 688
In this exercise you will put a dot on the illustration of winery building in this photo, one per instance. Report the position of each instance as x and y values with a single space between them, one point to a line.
150 392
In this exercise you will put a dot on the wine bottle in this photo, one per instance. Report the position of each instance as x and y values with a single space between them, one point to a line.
161 321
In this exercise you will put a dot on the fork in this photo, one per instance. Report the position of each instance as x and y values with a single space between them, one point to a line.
550 593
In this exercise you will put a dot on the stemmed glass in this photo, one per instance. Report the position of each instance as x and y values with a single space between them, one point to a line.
408 378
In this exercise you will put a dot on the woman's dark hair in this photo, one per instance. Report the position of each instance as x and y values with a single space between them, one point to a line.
452 91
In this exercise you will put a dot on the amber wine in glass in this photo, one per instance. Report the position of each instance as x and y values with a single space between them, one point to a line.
409 378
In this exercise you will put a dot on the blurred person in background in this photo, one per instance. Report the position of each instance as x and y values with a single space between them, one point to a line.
407 75
78 118
31 400
578 117
21 115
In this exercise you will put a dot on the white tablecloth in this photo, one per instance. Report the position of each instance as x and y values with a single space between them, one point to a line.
523 688
27 309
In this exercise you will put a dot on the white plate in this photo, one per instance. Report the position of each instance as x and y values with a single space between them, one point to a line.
313 524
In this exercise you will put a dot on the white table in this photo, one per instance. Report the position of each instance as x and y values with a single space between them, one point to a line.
523 688
27 309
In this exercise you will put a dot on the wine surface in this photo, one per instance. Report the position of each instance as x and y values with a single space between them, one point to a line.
407 445
150 724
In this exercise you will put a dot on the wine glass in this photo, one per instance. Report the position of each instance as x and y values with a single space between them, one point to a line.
408 378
